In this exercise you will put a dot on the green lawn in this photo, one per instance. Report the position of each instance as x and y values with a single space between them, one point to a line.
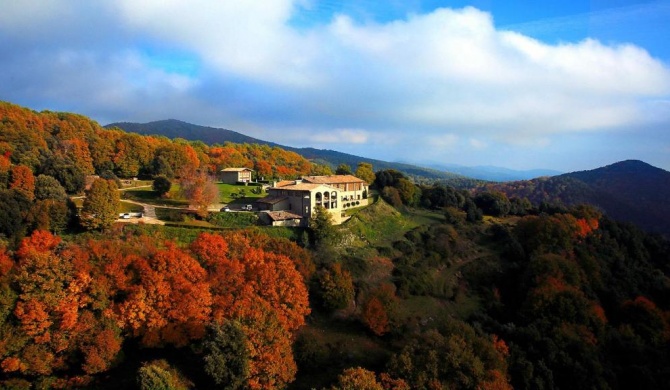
425 217
135 183
377 224
147 195
233 219
130 208
238 193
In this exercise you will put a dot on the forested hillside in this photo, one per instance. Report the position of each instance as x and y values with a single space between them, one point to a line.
209 135
71 145
429 287
629 190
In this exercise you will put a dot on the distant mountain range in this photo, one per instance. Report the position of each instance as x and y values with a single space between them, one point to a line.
630 190
492 173
454 174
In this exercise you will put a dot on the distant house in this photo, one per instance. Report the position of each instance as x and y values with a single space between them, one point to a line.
300 197
280 218
235 175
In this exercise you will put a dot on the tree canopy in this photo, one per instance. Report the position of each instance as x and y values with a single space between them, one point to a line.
101 205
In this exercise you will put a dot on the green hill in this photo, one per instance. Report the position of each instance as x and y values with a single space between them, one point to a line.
172 128
631 191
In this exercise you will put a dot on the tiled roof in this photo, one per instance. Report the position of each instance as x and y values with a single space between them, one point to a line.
236 169
282 215
300 187
333 179
285 183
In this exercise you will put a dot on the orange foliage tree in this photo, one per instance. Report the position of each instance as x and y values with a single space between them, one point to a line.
263 292
23 180
74 303
378 309
56 311
146 311
200 190
375 317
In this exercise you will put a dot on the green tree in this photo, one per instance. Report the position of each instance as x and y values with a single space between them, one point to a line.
493 203
322 227
365 172
472 212
455 358
226 356
520 206
320 170
439 196
49 214
161 185
391 196
71 177
408 192
101 205
47 187
158 375
357 379
343 169
14 206
337 287
388 177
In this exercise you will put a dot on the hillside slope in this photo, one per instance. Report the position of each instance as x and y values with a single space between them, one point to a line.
630 190
172 128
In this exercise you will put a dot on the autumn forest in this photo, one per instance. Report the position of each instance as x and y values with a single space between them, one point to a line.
429 287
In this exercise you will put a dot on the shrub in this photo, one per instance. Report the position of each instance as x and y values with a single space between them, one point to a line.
161 185
158 375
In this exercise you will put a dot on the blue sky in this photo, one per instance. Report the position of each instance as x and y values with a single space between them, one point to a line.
566 85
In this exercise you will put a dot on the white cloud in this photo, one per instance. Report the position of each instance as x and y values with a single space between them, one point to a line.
478 144
441 141
435 80
340 136
240 38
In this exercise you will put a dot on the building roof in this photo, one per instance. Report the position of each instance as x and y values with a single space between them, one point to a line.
300 187
271 199
304 187
282 215
236 169
333 179
284 183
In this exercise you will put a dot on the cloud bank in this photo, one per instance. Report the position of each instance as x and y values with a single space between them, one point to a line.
426 87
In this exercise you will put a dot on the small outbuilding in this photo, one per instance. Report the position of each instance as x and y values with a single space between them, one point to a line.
235 175
281 218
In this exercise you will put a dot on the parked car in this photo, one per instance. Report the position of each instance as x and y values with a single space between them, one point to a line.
225 209
247 207
125 216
